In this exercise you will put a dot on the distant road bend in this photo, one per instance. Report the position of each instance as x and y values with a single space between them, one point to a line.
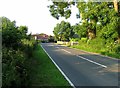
84 69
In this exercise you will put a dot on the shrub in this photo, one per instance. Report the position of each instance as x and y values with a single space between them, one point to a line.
14 73
83 39
17 49
117 49
75 39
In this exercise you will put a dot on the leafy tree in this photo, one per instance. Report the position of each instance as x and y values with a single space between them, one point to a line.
105 15
23 31
80 30
61 9
16 47
63 31
110 22
56 31
51 39
91 13
10 35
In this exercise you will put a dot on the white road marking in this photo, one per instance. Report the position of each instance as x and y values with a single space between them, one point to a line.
92 61
86 59
50 45
59 69
66 51
57 47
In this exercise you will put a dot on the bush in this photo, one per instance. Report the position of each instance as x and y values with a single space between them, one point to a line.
83 39
28 47
17 49
75 39
14 73
117 49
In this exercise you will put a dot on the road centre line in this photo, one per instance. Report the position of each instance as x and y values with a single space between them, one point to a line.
57 47
87 59
59 69
66 51
92 61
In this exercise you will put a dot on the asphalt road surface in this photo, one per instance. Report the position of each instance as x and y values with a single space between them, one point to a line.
84 69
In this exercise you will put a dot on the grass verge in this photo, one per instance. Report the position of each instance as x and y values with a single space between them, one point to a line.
43 72
95 49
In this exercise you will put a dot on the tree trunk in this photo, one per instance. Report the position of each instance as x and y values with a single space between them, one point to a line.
91 34
115 5
83 20
119 39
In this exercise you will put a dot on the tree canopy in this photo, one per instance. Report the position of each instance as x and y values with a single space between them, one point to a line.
63 31
12 34
98 19
60 9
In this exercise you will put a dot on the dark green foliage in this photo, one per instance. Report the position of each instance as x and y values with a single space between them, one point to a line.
99 24
16 50
61 9
13 68
80 30
63 31
10 35
117 49
51 39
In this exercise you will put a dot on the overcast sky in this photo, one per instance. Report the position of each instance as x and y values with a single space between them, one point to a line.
34 14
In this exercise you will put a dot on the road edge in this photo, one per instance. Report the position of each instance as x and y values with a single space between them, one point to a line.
113 58
59 68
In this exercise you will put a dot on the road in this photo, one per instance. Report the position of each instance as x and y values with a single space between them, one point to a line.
84 69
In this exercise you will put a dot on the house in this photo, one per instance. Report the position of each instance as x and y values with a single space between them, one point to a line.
41 37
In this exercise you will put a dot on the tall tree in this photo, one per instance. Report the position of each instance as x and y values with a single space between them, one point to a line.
60 9
23 31
63 31
94 14
80 30
10 34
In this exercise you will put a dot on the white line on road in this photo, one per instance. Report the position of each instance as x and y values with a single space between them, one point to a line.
87 59
66 51
91 61
57 47
59 69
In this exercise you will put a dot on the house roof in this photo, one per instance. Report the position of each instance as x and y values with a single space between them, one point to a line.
41 36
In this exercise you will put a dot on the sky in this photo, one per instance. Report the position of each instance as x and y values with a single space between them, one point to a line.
34 14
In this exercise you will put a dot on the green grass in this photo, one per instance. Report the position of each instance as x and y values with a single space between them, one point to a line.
43 72
86 48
